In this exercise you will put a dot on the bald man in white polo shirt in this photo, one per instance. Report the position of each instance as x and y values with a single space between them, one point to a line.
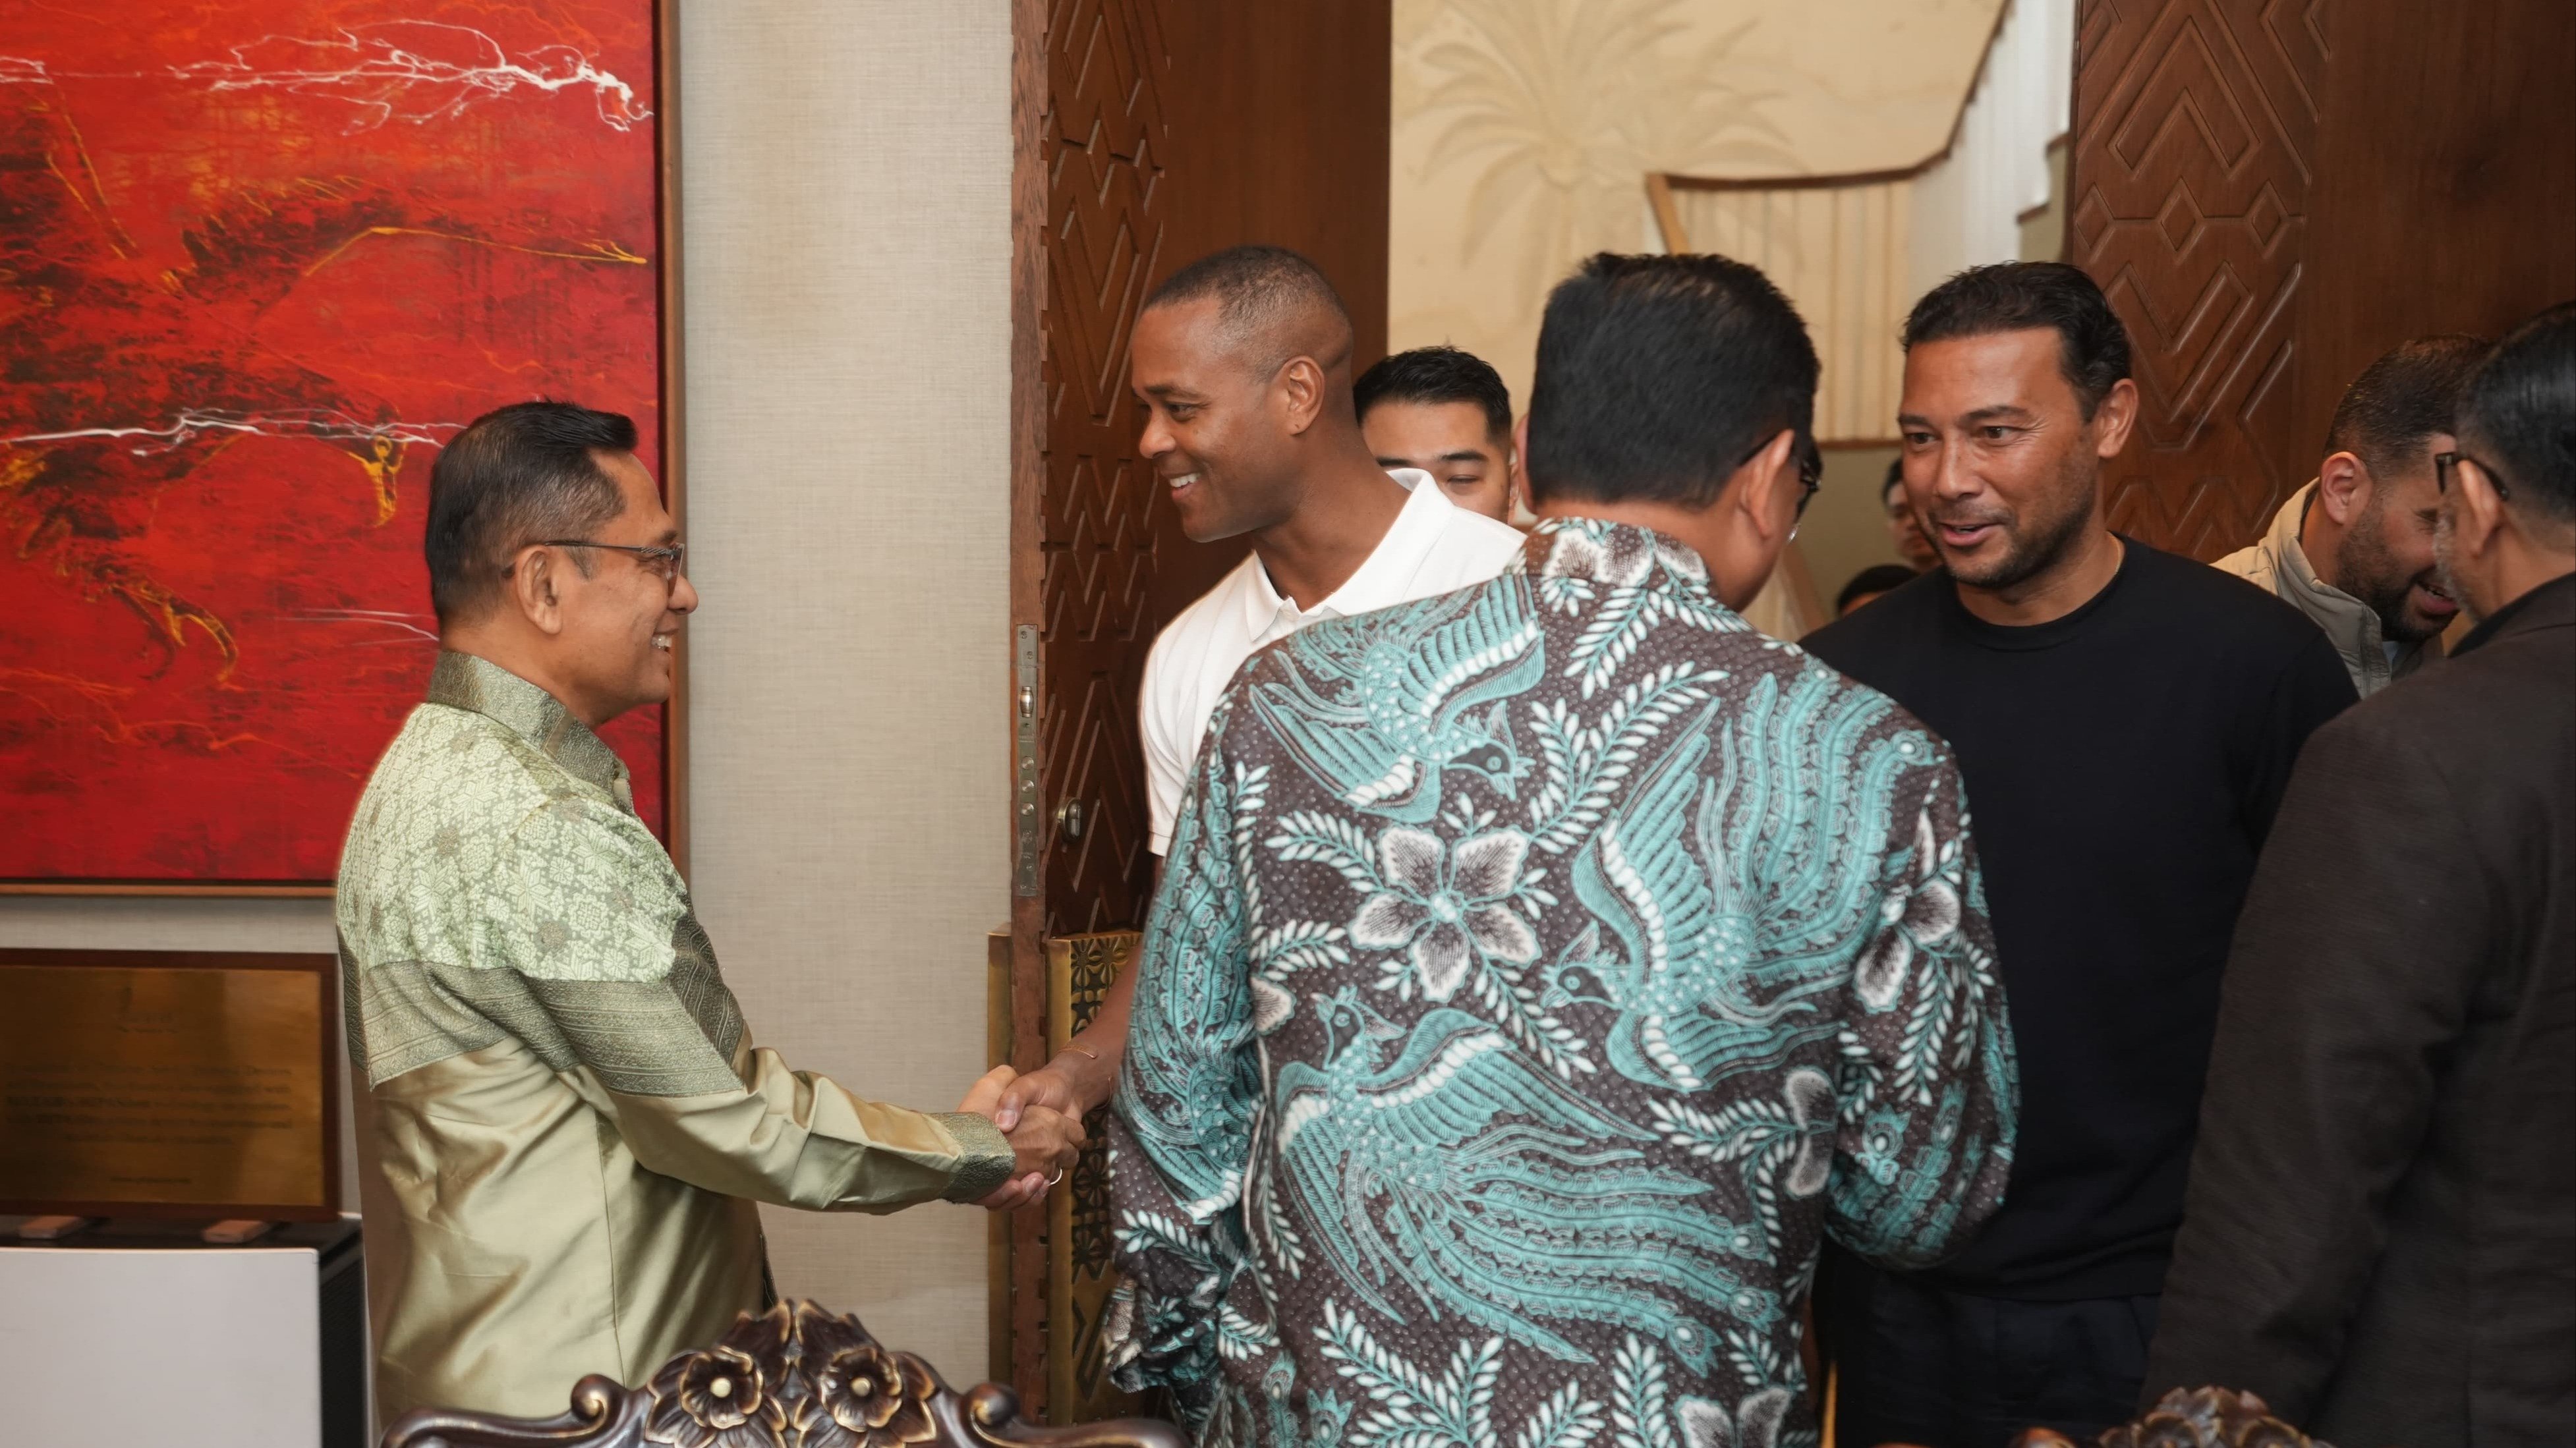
1243 361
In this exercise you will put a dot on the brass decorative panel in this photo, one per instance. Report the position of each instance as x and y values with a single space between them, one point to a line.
1080 970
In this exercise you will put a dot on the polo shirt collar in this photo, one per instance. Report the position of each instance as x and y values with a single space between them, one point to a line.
1384 578
463 681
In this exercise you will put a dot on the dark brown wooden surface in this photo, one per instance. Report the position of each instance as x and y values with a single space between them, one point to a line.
1149 133
2195 137
2445 198
2273 193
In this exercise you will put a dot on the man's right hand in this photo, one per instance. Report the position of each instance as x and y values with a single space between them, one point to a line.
1043 1146
1046 1142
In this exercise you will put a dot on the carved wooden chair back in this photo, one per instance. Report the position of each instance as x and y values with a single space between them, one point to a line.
795 1376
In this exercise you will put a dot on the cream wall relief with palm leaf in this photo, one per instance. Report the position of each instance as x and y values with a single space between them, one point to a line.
1523 130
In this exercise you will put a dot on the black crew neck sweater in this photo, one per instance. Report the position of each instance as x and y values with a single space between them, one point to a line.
2122 766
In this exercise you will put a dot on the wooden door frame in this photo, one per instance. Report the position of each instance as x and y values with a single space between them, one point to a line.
1021 1266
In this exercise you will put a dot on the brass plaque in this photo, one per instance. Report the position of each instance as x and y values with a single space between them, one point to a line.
140 1090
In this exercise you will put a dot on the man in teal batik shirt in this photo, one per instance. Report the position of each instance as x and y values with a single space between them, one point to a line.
1541 972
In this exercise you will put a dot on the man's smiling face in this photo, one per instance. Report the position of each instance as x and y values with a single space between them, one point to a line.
2000 460
2386 556
1216 429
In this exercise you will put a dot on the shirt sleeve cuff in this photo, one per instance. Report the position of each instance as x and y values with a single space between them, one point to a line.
984 1156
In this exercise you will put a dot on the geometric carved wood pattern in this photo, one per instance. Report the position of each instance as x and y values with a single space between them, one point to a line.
2194 145
1103 522
1090 197
1145 133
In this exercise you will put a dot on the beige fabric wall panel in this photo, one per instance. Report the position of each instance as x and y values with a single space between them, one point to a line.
1523 130
847 250
1839 253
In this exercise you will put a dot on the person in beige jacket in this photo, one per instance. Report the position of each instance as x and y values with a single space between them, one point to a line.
2353 550
564 1125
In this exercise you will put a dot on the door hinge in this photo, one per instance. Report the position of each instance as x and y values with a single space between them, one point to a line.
1026 825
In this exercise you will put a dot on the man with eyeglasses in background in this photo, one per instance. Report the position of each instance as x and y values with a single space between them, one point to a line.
564 1126
2381 1233
2126 721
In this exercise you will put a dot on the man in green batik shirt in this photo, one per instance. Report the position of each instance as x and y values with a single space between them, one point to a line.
566 1126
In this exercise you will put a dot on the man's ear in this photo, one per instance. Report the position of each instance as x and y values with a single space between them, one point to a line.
1760 485
532 588
2113 419
2343 488
1302 383
2481 513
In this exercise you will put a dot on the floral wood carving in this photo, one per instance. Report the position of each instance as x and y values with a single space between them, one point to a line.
2192 1418
795 1376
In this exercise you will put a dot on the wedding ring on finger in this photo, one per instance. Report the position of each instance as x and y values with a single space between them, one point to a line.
1059 1176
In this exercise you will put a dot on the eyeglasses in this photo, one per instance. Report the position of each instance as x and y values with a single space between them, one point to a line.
1811 470
666 559
2445 462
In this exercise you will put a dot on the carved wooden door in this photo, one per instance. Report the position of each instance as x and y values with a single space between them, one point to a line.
2272 192
2195 134
1148 133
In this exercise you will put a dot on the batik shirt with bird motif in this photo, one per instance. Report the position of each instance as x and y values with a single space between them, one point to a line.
1539 973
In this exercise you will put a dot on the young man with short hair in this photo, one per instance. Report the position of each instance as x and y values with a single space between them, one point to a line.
1904 529
2126 721
1542 971
1444 412
564 1124
2353 550
2382 1227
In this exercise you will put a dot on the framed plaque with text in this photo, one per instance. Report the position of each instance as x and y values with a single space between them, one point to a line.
169 1084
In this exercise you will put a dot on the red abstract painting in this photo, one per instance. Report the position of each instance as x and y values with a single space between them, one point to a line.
258 260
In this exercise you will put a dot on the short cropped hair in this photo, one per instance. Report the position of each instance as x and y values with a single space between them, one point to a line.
2409 394
2018 296
1895 479
2518 413
1659 376
518 475
1434 375
1256 288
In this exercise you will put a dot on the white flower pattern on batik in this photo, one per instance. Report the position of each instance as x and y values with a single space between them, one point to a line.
1920 916
1446 909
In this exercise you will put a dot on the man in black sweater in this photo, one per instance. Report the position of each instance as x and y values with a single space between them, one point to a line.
2126 721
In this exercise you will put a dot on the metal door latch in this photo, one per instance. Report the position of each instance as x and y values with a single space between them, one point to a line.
1026 826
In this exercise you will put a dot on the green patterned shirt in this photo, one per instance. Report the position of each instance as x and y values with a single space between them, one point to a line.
566 1125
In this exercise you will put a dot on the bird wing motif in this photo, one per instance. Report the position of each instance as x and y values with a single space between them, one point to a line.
1463 1172
1664 878
1786 845
1376 712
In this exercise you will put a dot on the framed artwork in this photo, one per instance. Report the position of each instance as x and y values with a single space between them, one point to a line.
259 260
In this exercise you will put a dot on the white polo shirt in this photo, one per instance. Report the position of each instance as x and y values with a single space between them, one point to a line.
1434 547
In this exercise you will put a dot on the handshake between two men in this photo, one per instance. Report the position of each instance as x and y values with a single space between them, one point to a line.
1044 1141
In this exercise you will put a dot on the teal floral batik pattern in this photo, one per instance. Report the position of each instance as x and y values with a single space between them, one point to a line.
1539 974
